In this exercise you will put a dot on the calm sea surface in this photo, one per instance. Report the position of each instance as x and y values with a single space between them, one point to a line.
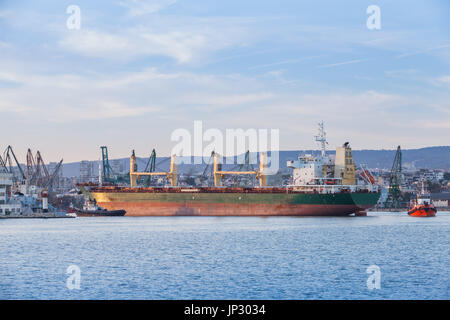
226 258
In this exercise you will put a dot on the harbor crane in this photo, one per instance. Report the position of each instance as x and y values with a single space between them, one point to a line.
3 167
49 182
41 164
108 174
36 172
8 158
394 192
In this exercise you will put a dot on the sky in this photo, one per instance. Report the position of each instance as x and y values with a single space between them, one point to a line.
135 71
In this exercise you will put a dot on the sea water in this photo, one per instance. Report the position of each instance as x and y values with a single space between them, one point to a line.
381 256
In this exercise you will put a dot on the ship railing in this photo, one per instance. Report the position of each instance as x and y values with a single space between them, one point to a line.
256 189
316 188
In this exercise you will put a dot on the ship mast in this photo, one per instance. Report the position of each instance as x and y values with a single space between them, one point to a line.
322 139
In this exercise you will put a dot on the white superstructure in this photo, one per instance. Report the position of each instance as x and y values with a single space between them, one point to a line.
337 169
306 169
7 207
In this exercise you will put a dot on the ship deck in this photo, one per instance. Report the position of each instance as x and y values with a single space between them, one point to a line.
309 189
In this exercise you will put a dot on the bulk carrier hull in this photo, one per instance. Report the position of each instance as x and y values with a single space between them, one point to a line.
231 201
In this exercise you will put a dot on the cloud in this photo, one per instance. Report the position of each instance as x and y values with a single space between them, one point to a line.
407 54
4 45
5 13
439 82
342 63
444 79
152 102
436 124
407 73
185 39
290 61
112 109
95 43
67 98
139 7
181 46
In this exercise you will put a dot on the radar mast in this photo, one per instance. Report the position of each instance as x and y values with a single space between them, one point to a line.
322 139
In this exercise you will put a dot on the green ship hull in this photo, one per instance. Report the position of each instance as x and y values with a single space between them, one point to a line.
179 201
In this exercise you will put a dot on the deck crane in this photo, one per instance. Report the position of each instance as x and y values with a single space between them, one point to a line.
150 167
151 164
244 166
208 167
171 175
260 174
214 165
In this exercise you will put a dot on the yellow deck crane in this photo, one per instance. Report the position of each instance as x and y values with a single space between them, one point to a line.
260 174
218 173
171 176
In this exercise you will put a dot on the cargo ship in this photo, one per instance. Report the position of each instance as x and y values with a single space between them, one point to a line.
323 185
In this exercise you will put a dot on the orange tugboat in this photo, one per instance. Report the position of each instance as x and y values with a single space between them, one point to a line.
423 206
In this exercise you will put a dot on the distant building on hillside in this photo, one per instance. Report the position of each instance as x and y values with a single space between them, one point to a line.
86 171
118 166
441 200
